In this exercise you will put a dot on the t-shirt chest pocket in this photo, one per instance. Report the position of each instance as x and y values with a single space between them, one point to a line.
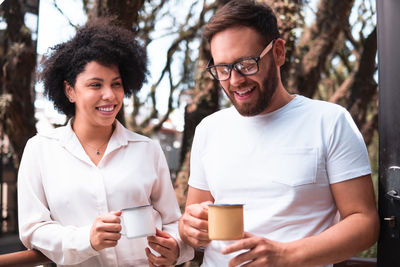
293 166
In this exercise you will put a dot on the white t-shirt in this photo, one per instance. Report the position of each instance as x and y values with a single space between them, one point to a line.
61 192
280 165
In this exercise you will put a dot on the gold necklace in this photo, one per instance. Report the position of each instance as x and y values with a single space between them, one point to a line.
97 149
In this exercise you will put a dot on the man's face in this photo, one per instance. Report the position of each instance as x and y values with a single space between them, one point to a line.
251 95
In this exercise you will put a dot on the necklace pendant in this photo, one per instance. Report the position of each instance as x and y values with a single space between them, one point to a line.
98 153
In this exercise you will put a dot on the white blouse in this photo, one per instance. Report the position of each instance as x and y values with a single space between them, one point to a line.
61 192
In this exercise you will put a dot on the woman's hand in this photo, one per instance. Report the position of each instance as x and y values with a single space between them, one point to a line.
166 246
105 231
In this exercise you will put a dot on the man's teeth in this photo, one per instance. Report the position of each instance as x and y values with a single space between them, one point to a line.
244 92
107 109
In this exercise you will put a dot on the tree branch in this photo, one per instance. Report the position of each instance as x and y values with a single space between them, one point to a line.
316 44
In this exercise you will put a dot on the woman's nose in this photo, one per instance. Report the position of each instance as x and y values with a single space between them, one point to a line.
108 93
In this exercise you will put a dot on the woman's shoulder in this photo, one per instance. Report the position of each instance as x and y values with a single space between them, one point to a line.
53 133
134 137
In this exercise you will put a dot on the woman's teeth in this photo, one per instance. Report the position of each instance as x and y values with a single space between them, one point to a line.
106 109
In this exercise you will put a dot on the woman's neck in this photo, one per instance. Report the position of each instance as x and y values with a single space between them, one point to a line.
92 135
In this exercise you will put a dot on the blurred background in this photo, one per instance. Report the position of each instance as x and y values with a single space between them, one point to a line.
331 55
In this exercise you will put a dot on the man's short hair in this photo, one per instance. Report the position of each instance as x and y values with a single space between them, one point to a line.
243 13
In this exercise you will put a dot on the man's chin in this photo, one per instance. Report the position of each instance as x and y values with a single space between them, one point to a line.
246 111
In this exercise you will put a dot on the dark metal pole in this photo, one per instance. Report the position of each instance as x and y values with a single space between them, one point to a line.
1 179
388 14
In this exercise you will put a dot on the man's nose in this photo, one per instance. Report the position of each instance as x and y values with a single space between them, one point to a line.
236 78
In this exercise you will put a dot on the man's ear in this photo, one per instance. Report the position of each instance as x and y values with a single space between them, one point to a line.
69 92
279 52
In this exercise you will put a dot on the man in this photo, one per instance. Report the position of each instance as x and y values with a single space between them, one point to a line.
294 162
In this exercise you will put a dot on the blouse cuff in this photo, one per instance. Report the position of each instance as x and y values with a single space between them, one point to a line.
186 252
80 242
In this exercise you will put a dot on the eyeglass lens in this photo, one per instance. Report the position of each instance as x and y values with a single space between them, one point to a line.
246 66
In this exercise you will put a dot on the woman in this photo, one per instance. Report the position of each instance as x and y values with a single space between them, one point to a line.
74 180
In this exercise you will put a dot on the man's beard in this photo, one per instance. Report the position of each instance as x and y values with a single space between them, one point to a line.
269 85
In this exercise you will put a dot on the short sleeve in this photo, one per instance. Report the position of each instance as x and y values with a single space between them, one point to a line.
347 155
197 177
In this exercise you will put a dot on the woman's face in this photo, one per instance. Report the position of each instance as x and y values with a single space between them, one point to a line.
98 95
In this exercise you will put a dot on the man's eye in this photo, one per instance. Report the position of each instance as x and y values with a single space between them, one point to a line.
223 70
246 66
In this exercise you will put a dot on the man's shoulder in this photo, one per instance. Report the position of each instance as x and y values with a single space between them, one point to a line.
218 117
321 106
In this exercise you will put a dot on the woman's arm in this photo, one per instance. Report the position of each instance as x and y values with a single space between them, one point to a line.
62 244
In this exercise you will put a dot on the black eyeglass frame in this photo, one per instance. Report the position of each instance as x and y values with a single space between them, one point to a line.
234 64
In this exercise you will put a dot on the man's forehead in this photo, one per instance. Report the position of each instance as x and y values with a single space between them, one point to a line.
235 43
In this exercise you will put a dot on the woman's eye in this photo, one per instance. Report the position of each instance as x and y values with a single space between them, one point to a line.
117 84
96 85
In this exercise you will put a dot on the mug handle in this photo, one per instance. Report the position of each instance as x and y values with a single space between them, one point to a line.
123 231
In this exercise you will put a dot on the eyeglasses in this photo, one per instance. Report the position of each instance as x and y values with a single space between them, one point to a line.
245 66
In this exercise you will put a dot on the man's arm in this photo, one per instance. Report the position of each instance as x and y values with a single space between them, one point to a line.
193 225
357 230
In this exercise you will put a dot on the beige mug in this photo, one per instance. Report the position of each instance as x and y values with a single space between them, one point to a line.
225 221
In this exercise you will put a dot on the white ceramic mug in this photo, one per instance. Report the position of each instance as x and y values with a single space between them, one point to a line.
138 221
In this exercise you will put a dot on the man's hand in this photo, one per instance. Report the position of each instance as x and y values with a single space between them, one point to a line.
193 226
105 231
260 252
166 246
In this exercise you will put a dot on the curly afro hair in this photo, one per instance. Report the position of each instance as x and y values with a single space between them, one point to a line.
99 40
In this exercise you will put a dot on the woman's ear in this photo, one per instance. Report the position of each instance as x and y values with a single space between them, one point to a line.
279 52
69 92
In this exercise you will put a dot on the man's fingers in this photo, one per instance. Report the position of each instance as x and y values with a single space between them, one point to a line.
246 243
198 243
197 223
241 258
205 204
247 235
197 234
199 211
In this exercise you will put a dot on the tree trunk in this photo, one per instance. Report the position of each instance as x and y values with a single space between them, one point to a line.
205 101
16 84
126 12
316 44
17 119
363 91
289 17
